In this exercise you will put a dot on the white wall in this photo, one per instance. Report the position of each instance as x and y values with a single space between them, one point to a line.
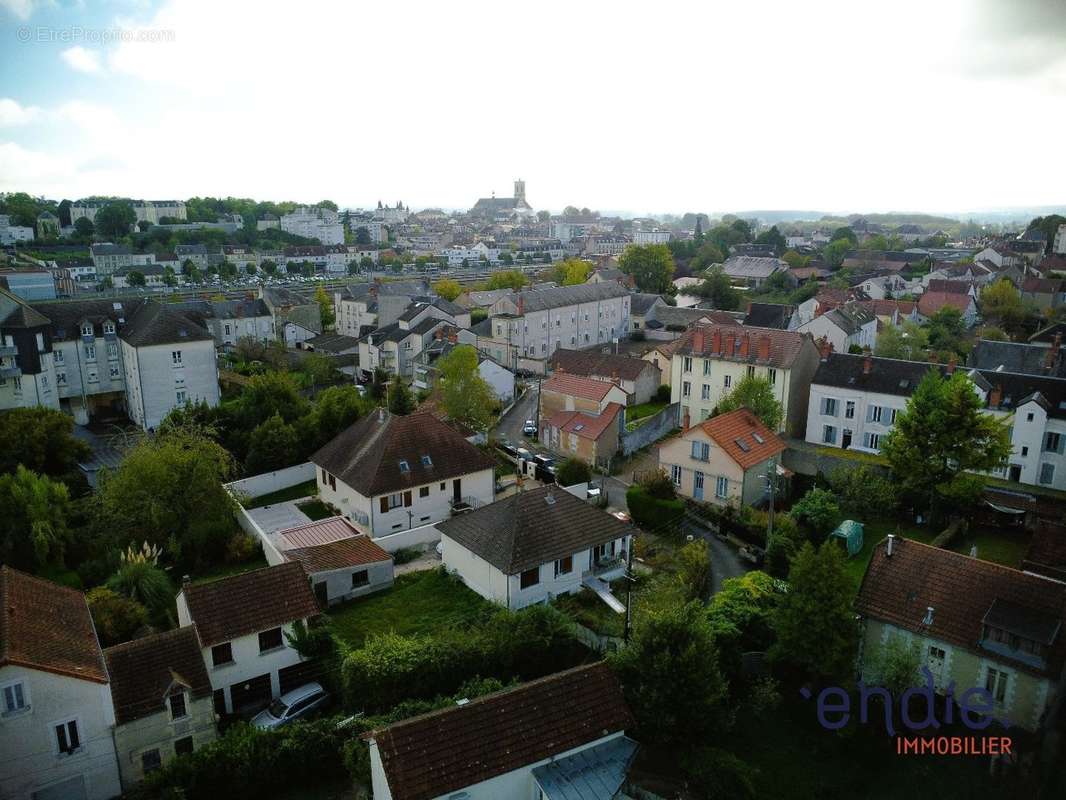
415 537
154 381
268 482
31 759
159 732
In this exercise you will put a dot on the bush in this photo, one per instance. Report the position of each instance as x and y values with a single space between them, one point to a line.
144 583
694 570
657 484
864 492
573 471
662 394
715 774
117 619
405 555
241 547
818 510
651 512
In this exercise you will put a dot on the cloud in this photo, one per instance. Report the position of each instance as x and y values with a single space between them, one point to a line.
83 60
23 9
13 114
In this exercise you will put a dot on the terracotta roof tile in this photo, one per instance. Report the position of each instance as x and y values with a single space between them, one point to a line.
447 750
143 670
47 626
931 302
588 426
352 552
784 346
735 433
575 385
898 589
254 601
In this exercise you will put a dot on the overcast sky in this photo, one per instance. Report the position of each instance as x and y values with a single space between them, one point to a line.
932 105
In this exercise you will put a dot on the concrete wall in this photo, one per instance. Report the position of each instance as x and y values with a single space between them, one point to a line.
160 732
415 537
268 482
31 760
653 429
339 581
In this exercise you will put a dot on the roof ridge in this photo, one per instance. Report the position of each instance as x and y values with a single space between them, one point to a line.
140 640
969 558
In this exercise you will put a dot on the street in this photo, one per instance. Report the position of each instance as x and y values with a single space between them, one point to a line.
510 424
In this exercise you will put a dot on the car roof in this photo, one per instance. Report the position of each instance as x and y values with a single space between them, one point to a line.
300 693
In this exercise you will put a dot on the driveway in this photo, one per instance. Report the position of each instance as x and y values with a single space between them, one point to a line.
725 563
510 424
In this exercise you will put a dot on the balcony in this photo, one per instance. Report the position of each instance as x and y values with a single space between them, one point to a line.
463 504
605 566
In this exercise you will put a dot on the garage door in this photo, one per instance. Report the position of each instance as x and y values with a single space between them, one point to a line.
297 675
251 696
72 789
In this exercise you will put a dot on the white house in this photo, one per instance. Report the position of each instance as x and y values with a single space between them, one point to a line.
162 699
241 622
536 740
56 716
388 473
314 223
854 402
535 545
849 325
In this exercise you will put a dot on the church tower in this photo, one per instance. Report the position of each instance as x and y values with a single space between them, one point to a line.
520 190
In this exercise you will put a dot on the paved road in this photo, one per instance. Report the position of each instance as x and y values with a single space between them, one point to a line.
510 425
725 563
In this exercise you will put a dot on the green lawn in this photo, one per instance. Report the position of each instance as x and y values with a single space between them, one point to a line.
316 510
225 570
305 489
644 410
418 602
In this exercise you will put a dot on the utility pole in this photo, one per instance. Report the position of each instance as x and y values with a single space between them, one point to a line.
629 593
771 476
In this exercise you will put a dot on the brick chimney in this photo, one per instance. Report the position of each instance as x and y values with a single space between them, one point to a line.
716 341
521 305
764 348
745 346
697 341
867 363
1053 353
730 345
825 347
995 396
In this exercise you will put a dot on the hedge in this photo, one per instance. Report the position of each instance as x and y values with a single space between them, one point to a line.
652 513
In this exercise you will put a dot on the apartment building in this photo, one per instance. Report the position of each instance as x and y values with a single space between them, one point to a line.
363 307
314 223
151 211
110 258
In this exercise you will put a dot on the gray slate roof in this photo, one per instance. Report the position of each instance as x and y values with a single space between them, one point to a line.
1029 359
154 323
640 302
528 529
543 299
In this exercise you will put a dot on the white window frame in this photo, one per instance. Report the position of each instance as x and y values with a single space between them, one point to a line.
721 487
727 381
675 474
65 722
25 691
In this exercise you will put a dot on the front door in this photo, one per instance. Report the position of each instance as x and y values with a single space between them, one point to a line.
845 439
1016 472
697 485
457 490
320 594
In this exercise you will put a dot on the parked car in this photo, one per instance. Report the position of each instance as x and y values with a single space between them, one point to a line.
291 706
530 428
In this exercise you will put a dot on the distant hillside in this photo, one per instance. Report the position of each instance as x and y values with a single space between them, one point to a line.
774 217
896 218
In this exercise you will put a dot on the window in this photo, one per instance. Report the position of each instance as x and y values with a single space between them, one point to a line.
996 684
270 640
150 760
423 491
829 434
404 467
721 487
829 406
1029 417
391 501
892 419
531 577
112 350
686 364
1053 443
727 381
751 372
701 451
849 409
360 578
109 327
227 329
177 705
1047 474
705 392
67 739
222 654
686 388
1025 452
183 746
180 397
14 695
57 356
873 413
90 352
564 566
175 358
113 371
442 487
427 461
87 329
675 474
707 367
872 441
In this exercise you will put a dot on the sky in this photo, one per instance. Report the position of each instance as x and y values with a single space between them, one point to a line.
668 107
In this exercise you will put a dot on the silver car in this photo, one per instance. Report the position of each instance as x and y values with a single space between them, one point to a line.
291 706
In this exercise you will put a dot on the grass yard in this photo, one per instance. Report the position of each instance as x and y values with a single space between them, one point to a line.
317 510
642 410
419 602
305 489
225 570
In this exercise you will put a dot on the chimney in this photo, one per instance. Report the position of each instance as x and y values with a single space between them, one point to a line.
890 545
521 305
867 363
764 348
730 345
995 396
1053 353
951 364
684 421
825 347
928 620
745 346
185 580
716 341
697 341
748 309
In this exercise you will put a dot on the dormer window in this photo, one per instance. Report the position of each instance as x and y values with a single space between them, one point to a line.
176 701
109 327
405 467
427 461
87 329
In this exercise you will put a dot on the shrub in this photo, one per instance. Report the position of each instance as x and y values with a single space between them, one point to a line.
818 510
662 394
117 618
405 555
715 773
144 583
573 471
651 512
694 570
240 548
864 492
657 484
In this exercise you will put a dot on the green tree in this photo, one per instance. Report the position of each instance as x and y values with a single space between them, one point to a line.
115 219
117 618
846 234
465 395
863 492
33 526
717 288
908 342
772 237
835 251
813 622
41 439
269 267
506 279
757 395
669 673
84 227
941 434
651 266
1002 304
319 369
168 490
273 445
570 272
135 278
401 401
706 255
325 308
818 510
169 277
267 395
896 665
447 288
741 614
573 471
795 260
144 583
694 570
336 408
946 330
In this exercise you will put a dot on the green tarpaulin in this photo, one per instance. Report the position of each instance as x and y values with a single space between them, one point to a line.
851 532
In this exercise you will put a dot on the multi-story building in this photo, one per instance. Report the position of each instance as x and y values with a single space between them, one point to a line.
109 258
653 236
10 234
528 326
709 360
854 402
229 321
151 211
851 325
387 473
104 358
363 307
325 258
314 223
56 714
397 348
295 318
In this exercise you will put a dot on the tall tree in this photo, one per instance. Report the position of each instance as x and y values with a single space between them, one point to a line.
570 272
401 401
115 219
813 621
717 288
506 279
41 439
908 342
325 308
941 434
651 266
465 395
772 237
447 288
33 525
757 395
1001 304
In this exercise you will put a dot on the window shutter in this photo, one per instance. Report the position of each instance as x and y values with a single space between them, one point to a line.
706 451
384 504
824 404
407 498
869 413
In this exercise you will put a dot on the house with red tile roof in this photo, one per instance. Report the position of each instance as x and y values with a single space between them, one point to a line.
723 460
341 562
566 392
241 624
55 694
976 624
931 302
639 378
594 438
